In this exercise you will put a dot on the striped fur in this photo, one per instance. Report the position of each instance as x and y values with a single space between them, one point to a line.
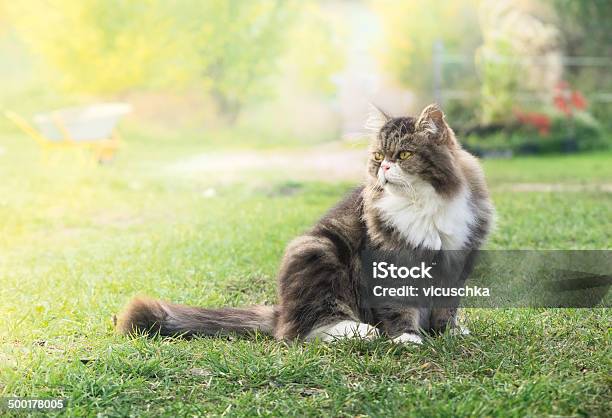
436 199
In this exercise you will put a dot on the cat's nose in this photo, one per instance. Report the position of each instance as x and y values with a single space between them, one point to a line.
386 166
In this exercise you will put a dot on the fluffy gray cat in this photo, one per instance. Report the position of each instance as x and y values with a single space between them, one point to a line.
423 193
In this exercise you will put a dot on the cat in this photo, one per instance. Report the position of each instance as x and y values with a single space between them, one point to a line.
423 192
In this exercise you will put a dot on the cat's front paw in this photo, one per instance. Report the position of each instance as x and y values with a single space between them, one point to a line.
344 329
408 338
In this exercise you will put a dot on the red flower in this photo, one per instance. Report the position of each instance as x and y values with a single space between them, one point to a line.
567 100
540 121
562 104
578 100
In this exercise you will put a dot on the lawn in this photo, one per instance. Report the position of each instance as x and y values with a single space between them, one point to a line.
76 243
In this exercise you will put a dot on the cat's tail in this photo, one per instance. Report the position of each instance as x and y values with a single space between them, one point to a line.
152 317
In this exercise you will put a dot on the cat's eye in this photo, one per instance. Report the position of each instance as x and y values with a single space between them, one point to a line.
404 155
378 156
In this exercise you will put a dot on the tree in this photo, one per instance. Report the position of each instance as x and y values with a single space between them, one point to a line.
586 24
410 30
238 45
97 46
587 32
520 54
322 36
232 50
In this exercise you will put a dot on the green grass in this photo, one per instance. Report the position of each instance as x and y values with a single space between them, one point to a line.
77 243
570 169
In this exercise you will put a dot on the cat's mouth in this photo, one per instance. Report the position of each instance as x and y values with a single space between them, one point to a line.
387 179
394 183
390 185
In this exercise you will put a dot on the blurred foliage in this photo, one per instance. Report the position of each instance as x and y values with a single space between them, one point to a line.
240 53
231 50
237 45
498 55
587 31
500 81
3 17
520 54
96 46
410 30
315 49
581 133
586 26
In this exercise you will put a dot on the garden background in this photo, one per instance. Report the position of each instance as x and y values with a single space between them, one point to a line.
247 125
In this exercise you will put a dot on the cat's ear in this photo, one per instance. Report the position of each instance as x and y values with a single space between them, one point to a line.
432 123
376 119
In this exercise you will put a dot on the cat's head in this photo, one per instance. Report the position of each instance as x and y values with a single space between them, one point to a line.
407 151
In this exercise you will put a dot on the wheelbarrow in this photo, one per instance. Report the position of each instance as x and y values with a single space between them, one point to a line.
90 128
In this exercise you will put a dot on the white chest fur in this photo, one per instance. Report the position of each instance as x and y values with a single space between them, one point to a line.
424 218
